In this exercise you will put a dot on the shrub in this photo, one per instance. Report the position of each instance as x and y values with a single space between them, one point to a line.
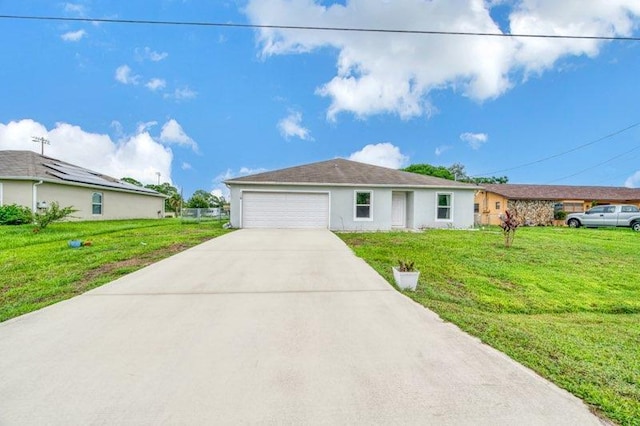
560 215
52 213
509 223
15 215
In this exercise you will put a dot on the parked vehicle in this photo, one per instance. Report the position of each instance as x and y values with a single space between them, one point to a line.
610 215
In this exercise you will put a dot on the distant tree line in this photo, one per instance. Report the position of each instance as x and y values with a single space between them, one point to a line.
199 199
453 172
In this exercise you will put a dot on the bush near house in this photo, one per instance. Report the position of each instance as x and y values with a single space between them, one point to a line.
15 215
563 302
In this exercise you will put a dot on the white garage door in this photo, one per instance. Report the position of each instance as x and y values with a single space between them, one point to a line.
285 210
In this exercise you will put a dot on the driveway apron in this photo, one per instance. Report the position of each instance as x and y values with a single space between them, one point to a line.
261 327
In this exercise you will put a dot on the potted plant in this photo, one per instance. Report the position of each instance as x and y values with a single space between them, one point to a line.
405 275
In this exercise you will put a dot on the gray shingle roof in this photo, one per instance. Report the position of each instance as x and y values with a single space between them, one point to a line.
564 192
33 166
345 172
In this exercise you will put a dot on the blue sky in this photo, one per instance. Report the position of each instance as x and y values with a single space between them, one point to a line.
199 104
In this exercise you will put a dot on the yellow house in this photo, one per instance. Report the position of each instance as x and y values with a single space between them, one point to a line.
536 204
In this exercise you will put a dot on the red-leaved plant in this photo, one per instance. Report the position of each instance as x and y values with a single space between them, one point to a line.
509 223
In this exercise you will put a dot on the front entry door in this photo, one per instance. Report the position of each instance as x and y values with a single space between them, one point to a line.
398 209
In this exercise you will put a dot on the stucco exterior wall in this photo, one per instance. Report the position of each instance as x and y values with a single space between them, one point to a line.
115 204
16 192
489 211
420 206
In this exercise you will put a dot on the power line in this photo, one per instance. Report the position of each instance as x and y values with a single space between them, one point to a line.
519 166
311 28
595 166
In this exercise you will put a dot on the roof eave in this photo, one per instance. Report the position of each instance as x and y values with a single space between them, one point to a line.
83 185
367 185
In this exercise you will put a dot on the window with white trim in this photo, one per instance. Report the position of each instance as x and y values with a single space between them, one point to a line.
96 203
444 205
362 207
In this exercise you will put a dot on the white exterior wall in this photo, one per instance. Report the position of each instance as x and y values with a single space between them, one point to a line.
420 206
115 204
425 209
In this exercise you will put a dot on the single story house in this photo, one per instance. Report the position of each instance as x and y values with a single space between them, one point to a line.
35 181
347 195
536 204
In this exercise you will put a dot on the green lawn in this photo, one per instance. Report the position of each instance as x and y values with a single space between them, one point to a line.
564 302
38 269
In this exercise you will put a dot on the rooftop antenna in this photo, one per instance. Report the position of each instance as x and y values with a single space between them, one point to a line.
41 140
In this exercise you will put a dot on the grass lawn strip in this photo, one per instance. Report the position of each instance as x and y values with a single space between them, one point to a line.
564 302
37 270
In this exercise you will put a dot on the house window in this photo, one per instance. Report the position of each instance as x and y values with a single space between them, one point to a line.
476 207
363 205
498 205
444 206
96 203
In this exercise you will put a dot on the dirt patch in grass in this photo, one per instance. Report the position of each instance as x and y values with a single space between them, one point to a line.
110 270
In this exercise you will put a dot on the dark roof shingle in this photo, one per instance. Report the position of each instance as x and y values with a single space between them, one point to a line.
345 172
564 192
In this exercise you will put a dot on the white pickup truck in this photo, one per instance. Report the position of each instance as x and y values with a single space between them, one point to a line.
611 215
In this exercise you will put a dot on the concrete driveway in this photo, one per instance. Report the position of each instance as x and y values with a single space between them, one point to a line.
266 327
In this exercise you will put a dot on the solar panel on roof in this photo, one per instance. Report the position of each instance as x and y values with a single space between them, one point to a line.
95 180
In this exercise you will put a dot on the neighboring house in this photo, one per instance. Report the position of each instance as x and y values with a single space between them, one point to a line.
35 181
346 195
536 204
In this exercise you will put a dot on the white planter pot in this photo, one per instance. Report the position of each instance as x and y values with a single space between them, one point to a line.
406 280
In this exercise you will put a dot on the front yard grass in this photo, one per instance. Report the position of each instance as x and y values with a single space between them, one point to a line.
38 269
564 302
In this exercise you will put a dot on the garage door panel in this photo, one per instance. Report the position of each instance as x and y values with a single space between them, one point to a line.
285 210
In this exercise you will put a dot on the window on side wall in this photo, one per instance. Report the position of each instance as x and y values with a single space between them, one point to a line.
444 206
362 208
96 203
498 206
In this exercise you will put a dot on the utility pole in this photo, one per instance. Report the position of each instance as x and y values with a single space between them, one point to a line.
158 173
41 140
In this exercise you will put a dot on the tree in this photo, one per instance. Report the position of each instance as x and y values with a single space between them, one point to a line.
491 180
132 181
174 198
174 203
454 172
429 170
201 199
458 172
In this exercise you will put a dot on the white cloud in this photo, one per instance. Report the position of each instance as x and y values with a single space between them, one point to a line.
382 154
218 182
149 54
173 133
75 8
395 73
183 93
125 75
442 149
291 126
156 84
633 181
185 166
145 126
138 156
73 35
475 140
